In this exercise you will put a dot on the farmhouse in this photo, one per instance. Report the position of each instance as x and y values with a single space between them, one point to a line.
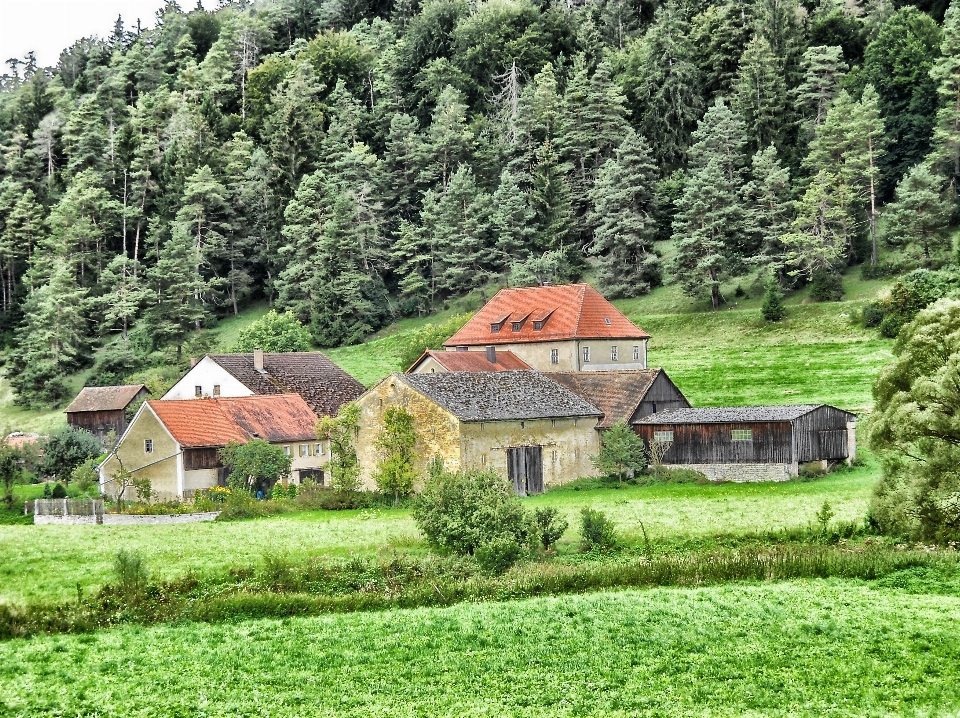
626 396
101 409
751 443
568 327
321 383
175 444
520 424
489 360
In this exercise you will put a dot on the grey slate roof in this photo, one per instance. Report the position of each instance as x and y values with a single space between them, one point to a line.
321 383
500 395
731 414
105 398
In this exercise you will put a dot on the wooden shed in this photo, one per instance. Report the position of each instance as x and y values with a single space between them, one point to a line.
751 443
100 409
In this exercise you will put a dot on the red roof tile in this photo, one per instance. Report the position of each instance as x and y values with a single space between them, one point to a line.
217 422
572 311
473 361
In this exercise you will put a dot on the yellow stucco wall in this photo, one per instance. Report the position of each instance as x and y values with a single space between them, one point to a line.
570 354
160 467
567 445
437 430
429 365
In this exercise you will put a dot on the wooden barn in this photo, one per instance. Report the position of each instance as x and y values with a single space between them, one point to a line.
100 409
751 443
625 395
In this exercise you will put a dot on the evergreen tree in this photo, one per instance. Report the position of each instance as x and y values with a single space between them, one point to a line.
760 95
449 138
823 71
512 221
773 308
946 73
768 203
720 34
294 128
405 159
919 214
22 232
624 229
823 230
550 201
124 297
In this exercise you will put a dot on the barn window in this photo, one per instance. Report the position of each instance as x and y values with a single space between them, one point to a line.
742 434
613 354
198 390
554 356
554 455
662 437
304 450
216 390
586 355
636 353
148 446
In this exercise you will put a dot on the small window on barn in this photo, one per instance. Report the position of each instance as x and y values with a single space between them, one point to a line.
198 390
483 459
554 455
614 354
554 356
304 450
742 434
216 390
636 353
148 446
586 355
662 437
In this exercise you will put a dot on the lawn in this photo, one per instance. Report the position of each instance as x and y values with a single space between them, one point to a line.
817 648
47 562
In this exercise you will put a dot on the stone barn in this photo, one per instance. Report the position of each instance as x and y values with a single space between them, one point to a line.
751 443
101 409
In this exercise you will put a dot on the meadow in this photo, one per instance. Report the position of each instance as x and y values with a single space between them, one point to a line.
46 563
802 648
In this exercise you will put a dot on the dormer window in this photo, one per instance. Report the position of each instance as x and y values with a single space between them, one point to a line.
606 320
495 328
515 326
537 326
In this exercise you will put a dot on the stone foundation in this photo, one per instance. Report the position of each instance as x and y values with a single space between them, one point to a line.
133 519
742 473
40 520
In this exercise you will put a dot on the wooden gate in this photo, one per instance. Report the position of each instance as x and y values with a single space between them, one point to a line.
525 469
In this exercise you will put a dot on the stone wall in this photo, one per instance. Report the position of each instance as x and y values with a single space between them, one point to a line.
39 520
742 473
132 519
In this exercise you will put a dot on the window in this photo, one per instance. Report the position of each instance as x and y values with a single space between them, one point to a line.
198 391
318 450
554 455
523 424
537 326
495 328
304 450
515 326
742 434
586 355
662 437
636 353
148 446
286 450
613 354
216 390
483 459
554 356
607 321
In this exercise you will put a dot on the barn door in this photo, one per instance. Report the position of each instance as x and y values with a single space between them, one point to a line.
525 469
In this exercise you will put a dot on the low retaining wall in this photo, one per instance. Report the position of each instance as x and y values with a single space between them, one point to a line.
742 473
39 520
133 519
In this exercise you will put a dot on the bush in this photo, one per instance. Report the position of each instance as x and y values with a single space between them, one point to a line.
597 531
892 324
826 286
274 332
773 308
67 449
912 293
667 475
464 512
549 526
499 554
114 365
872 315
131 573
429 336
59 492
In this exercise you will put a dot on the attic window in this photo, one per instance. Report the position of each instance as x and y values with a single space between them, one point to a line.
148 446
537 326
515 326
607 321
216 390
495 327
198 391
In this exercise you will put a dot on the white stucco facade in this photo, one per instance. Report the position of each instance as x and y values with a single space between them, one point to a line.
212 379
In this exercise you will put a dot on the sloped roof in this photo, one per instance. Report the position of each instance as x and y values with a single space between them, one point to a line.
616 393
732 414
322 384
473 361
499 395
105 398
567 311
216 422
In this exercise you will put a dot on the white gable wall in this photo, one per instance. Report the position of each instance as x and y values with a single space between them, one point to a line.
206 374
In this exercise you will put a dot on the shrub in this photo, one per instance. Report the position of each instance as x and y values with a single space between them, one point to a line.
549 526
872 315
621 452
132 575
773 308
667 475
274 332
499 554
463 512
65 450
340 431
395 443
59 492
826 286
429 336
257 464
597 531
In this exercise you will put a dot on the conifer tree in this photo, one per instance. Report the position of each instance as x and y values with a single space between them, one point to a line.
22 232
550 201
624 228
919 214
760 95
720 34
124 298
824 227
823 71
773 308
512 221
449 138
405 160
769 208
946 73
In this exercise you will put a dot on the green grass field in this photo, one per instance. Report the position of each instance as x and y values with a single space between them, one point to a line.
47 562
817 648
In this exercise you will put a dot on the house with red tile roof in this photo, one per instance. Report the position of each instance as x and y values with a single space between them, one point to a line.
569 327
176 444
431 361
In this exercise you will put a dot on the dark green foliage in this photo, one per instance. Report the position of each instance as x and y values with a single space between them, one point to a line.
597 532
474 511
773 309
255 465
10 472
872 315
621 452
274 333
826 286
912 293
65 450
549 526
429 336
59 492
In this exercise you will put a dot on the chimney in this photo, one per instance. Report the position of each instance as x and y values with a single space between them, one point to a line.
492 354
258 360
193 362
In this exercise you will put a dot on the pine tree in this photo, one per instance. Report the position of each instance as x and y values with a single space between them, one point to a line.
512 220
538 114
769 207
919 214
449 138
175 306
22 232
823 230
624 228
405 160
946 73
550 201
773 309
867 128
823 71
294 128
124 298
760 95
720 34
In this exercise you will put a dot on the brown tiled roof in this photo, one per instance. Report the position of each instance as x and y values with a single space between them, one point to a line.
322 384
473 361
105 398
217 422
616 393
499 395
568 311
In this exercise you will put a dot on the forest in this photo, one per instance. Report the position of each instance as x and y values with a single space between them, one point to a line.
356 161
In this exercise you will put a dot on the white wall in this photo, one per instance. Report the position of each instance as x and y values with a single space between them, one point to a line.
206 374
